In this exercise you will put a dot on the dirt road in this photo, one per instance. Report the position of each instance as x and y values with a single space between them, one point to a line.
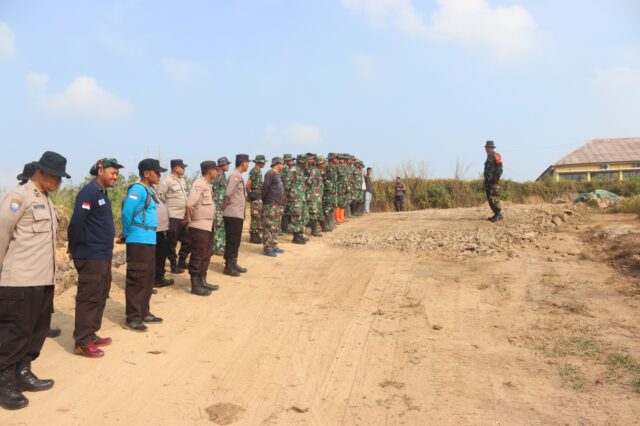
516 329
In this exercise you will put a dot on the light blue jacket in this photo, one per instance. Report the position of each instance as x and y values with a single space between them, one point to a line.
139 224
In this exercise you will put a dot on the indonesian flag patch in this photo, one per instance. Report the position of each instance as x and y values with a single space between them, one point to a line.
86 206
133 196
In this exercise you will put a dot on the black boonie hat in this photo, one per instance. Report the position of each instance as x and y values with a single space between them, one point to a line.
489 144
205 166
177 163
223 161
150 164
28 171
53 164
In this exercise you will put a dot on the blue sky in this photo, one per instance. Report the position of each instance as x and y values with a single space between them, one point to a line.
426 81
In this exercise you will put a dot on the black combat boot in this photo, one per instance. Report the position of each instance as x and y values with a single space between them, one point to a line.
175 269
230 270
10 397
182 265
27 381
255 238
163 282
324 225
205 284
238 267
347 211
314 229
197 288
497 217
297 238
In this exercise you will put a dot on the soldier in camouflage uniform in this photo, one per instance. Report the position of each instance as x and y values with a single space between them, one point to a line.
315 189
341 188
330 194
286 216
254 188
296 200
219 185
273 207
492 175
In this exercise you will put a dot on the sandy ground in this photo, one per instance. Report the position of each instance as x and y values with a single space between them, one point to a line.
325 335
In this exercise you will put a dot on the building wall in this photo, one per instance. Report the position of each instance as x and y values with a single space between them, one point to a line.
593 171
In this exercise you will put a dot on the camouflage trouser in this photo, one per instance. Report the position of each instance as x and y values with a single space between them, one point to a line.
493 196
219 236
315 208
299 216
342 199
359 196
256 216
329 203
271 216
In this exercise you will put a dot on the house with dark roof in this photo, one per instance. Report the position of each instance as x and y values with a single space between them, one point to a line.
599 159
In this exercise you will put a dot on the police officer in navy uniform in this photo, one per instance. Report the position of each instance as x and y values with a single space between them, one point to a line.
28 226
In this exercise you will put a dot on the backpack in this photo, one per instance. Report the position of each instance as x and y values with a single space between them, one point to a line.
143 210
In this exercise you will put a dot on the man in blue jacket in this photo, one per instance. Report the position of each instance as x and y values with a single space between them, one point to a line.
90 234
139 223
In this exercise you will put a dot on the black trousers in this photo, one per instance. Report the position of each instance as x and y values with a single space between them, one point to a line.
25 317
233 230
162 252
398 203
94 283
201 251
178 232
141 262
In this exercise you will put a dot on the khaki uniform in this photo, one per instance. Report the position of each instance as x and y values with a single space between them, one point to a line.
173 192
201 212
28 226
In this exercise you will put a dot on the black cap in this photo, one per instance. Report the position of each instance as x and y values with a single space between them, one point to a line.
150 164
53 164
205 166
178 163
241 158
28 171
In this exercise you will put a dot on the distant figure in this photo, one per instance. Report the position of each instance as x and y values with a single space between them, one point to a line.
398 200
368 192
492 175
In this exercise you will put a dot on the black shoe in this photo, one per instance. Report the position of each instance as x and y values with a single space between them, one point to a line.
177 269
163 282
497 218
197 288
255 238
28 382
54 332
136 326
238 268
297 239
182 265
205 284
152 319
230 270
10 397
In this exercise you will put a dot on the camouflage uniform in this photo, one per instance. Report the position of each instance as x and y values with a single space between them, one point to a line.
296 199
330 194
219 185
286 216
271 216
492 175
342 187
315 189
255 175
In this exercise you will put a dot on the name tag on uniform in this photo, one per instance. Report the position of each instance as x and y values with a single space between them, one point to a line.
102 202
38 206
86 206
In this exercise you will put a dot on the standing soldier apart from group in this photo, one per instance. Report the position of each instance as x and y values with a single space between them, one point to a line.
492 175
219 189
272 208
173 192
28 226
90 234
254 189
201 213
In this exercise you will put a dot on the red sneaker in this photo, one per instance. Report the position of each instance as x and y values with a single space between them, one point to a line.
89 351
102 341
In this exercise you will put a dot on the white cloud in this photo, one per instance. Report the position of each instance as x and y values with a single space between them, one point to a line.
616 96
294 133
82 97
507 33
182 71
365 66
7 41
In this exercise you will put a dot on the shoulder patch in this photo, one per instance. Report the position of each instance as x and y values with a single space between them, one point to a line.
498 158
15 205
133 196
86 206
